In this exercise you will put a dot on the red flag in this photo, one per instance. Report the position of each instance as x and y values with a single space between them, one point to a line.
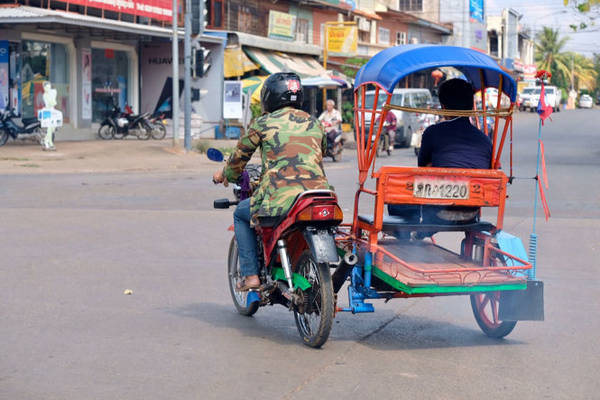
543 110
543 162
543 200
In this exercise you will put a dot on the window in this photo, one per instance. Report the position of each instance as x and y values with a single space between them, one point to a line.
410 5
364 37
400 38
383 36
44 62
302 30
215 13
110 82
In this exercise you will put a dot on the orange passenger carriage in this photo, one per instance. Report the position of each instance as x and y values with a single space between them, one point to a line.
392 258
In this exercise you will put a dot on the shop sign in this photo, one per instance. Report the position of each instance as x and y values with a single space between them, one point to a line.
342 39
518 66
476 10
232 100
157 9
529 70
281 25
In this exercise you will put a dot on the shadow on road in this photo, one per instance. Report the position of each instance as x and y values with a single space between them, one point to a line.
384 330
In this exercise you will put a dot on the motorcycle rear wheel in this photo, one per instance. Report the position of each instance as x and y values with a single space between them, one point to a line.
3 136
106 132
314 323
233 275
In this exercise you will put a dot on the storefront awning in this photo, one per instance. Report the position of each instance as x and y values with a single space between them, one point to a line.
272 62
237 63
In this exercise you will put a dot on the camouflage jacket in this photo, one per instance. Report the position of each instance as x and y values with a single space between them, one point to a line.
292 145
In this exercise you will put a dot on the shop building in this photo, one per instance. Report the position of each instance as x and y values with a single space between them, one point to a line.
93 56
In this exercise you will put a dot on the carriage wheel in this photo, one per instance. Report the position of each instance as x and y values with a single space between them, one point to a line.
485 309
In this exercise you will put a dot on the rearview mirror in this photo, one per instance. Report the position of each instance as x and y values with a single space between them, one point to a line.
214 154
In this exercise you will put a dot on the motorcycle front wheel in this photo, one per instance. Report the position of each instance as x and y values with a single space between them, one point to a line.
315 317
158 131
240 299
106 132
3 136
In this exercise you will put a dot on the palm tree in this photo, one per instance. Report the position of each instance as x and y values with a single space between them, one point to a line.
583 72
549 56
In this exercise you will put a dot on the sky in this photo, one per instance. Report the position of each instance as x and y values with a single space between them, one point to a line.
553 13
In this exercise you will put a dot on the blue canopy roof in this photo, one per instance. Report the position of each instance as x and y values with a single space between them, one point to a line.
389 66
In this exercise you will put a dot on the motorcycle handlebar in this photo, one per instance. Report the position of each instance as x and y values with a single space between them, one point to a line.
224 203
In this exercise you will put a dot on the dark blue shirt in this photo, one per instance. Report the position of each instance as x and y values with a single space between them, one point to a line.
455 144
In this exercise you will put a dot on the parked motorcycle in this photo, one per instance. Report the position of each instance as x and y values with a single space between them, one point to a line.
28 127
335 143
295 254
117 125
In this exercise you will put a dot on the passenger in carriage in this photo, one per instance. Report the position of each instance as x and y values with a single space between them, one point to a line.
451 143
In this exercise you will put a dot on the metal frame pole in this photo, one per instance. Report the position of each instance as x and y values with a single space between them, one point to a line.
187 87
175 64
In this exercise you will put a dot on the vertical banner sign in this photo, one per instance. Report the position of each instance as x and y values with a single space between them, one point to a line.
232 100
476 10
342 39
282 25
3 74
86 84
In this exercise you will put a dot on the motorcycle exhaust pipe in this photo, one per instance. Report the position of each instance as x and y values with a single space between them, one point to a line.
341 273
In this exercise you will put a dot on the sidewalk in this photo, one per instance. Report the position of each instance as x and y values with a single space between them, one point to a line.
99 156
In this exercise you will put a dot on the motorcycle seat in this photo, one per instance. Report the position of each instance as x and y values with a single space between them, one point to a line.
271 222
29 121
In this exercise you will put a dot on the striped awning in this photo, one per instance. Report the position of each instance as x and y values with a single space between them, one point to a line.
273 61
237 63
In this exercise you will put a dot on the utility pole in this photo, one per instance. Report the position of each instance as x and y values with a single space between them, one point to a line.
175 64
187 89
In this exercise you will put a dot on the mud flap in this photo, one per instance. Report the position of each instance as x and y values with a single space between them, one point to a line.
322 245
523 305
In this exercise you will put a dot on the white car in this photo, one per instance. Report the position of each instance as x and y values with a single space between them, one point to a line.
585 101
530 96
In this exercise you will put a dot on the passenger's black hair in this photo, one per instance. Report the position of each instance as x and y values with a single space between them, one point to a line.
456 94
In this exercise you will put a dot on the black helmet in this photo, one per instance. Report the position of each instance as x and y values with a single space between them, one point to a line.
281 89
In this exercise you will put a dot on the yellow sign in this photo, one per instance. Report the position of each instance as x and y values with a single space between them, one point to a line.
281 25
342 39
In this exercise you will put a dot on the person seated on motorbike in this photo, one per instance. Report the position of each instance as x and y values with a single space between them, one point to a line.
292 144
389 128
331 120
451 143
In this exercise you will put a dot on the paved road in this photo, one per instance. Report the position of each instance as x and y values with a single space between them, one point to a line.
72 243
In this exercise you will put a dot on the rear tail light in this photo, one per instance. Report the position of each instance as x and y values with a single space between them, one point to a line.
321 213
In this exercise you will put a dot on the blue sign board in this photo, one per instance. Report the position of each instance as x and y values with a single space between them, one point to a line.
476 10
3 74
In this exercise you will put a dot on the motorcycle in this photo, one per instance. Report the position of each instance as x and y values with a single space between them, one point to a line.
30 127
117 125
335 144
296 253
385 141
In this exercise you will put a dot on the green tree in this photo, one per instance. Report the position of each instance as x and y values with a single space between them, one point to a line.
583 73
549 55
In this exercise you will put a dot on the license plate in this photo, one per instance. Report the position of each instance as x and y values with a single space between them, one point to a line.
440 189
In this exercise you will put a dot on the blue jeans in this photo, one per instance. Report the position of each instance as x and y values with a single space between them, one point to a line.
245 237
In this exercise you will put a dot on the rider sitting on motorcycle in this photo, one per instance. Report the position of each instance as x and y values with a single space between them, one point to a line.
389 128
292 144
331 119
452 143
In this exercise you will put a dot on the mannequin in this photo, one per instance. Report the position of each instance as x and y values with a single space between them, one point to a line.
50 102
